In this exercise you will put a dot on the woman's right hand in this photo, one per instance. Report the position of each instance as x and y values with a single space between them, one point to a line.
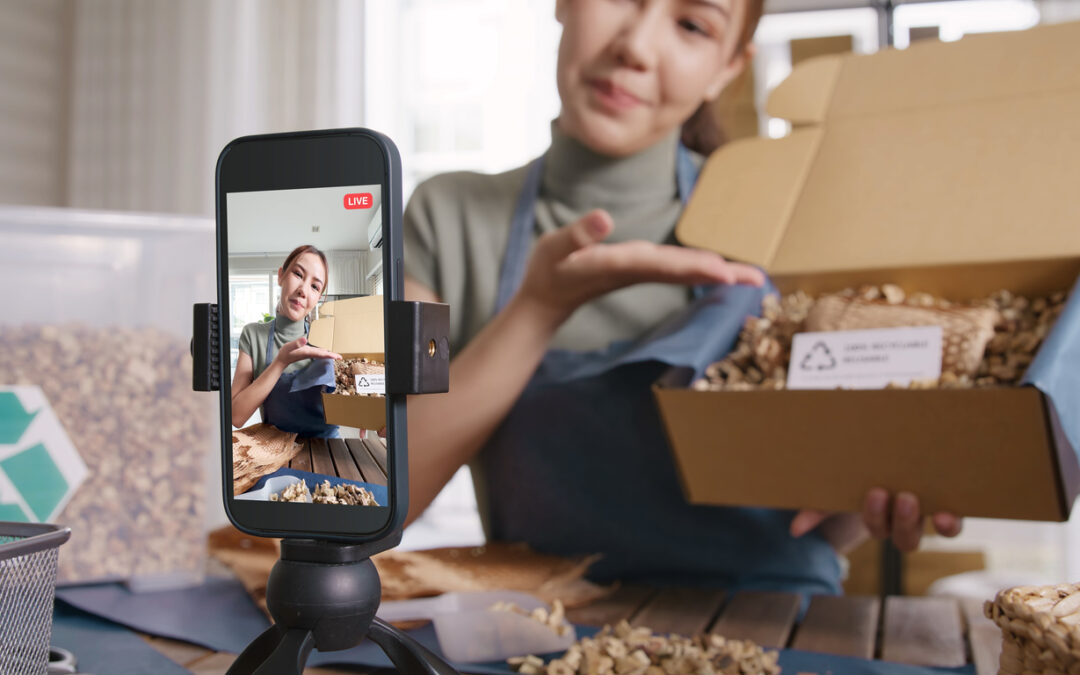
299 349
570 266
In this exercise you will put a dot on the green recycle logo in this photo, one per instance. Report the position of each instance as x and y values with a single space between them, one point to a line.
39 467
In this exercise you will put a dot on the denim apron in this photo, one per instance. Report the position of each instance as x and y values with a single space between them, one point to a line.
295 402
581 463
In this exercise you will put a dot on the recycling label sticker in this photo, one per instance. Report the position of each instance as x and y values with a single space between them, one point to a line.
40 469
864 359
371 383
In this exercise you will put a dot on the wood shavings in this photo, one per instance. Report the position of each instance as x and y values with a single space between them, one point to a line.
124 396
760 357
556 619
346 370
343 493
624 650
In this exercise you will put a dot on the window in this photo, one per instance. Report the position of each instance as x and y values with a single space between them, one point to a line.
251 298
461 104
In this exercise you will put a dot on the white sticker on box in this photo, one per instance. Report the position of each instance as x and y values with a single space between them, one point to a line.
371 383
864 359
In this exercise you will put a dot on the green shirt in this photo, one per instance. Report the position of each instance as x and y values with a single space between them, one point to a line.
456 227
253 342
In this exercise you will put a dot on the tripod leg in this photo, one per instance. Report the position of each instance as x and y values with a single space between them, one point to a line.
409 656
275 652
256 652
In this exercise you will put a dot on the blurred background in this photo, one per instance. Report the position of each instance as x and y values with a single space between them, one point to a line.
113 108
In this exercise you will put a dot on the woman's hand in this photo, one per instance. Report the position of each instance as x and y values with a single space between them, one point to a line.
299 349
899 518
570 267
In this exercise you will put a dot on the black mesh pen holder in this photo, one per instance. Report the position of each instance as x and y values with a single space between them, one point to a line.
28 555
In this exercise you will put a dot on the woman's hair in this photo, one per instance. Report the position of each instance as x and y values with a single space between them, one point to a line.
702 133
308 248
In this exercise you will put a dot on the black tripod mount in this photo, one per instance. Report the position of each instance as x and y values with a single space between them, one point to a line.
324 595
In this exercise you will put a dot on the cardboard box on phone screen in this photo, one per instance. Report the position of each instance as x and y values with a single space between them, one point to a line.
950 168
354 329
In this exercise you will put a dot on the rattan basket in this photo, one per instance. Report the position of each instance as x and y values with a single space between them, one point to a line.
28 554
1040 629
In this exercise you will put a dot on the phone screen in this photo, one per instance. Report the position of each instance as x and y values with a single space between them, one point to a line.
306 353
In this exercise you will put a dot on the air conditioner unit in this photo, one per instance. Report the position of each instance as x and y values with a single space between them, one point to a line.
375 229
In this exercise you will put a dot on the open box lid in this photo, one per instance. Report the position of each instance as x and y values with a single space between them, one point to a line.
352 327
914 163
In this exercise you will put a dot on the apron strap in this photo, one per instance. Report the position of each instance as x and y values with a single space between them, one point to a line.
517 247
519 241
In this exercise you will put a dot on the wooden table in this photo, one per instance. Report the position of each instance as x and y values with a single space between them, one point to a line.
927 631
358 459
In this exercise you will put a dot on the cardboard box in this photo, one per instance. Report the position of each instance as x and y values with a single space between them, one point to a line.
950 168
354 329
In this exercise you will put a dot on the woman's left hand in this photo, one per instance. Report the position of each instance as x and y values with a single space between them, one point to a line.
884 516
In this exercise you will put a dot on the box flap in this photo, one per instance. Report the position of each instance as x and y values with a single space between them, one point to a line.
757 185
939 155
803 98
348 327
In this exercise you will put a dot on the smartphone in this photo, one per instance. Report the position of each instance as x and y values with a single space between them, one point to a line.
309 260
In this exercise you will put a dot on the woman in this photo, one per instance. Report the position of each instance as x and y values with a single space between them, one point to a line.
560 336
277 371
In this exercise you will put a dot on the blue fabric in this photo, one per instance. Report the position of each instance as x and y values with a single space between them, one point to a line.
581 462
313 479
1056 368
295 403
103 647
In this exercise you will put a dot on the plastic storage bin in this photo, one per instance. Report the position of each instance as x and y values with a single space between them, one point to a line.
95 340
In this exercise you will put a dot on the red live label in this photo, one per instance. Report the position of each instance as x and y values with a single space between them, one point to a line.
358 200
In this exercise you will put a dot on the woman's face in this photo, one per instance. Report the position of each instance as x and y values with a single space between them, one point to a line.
631 71
301 285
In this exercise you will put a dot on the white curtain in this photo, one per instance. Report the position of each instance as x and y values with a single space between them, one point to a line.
346 273
159 87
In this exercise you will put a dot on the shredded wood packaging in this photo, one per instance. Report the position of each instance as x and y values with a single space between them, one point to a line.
556 619
343 493
1040 628
346 370
623 650
1004 331
124 397
296 492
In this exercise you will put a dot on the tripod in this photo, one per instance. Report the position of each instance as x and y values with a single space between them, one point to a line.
324 594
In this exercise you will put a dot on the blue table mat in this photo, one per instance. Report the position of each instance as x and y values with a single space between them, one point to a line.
313 479
104 648
219 615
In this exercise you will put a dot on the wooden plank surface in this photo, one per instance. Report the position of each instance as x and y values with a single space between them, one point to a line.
983 636
622 604
377 448
302 460
686 611
368 467
320 457
764 617
343 460
923 631
842 625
